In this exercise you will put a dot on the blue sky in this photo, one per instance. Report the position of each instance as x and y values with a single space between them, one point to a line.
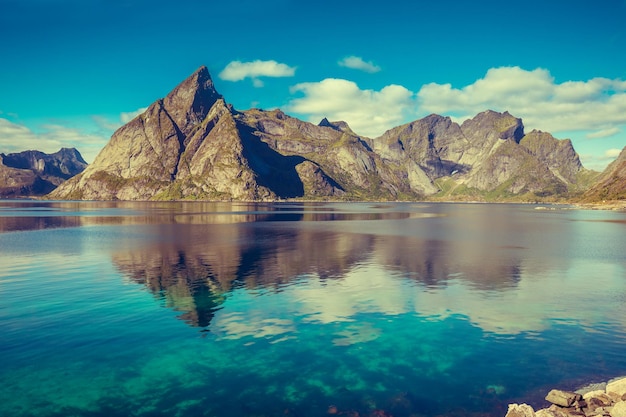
72 71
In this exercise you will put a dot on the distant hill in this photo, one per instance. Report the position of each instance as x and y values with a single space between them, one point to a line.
193 145
34 173
611 184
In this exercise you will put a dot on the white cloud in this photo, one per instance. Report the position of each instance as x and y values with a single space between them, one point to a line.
612 153
526 307
598 104
604 133
580 110
599 159
105 123
15 137
237 71
126 117
368 112
530 306
356 62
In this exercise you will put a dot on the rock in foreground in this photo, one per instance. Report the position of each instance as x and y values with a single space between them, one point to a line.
610 402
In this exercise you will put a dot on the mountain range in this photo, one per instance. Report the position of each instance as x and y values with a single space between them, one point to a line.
192 144
34 173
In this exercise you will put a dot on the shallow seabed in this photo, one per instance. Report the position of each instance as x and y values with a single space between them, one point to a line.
219 309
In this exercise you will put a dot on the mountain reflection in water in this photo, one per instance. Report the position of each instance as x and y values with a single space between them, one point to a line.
193 255
415 308
197 259
201 264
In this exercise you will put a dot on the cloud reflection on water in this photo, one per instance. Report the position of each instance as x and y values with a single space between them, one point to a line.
505 275
508 269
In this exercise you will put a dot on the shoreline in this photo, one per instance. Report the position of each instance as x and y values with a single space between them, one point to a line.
613 205
605 399
616 205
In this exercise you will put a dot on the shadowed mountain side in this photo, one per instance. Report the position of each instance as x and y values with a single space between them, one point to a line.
343 163
275 171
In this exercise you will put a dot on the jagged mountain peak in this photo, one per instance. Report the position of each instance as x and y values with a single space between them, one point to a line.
490 122
190 101
340 125
325 123
429 126
72 153
436 118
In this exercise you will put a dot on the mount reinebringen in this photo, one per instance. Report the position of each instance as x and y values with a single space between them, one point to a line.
193 145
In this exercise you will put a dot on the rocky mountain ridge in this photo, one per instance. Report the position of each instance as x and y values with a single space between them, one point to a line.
193 145
34 173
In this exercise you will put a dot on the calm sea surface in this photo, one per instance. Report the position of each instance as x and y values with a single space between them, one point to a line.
214 309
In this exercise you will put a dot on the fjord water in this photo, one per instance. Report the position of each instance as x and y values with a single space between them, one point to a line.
218 309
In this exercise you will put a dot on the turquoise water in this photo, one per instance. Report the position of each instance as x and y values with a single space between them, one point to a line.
215 309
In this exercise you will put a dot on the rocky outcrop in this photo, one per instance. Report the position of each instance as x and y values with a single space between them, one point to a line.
607 402
193 145
34 173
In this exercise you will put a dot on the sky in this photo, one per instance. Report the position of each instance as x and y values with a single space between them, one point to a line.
73 71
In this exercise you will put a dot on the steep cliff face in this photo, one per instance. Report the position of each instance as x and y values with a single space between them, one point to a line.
510 169
185 145
193 145
505 162
611 184
486 132
558 155
425 150
434 142
34 173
